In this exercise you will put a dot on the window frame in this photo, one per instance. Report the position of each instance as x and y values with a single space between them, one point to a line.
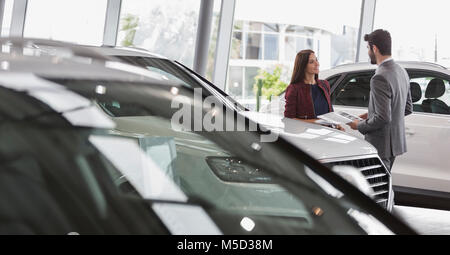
412 73
340 83
420 73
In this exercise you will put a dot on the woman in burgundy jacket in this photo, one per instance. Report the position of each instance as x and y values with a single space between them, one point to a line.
307 97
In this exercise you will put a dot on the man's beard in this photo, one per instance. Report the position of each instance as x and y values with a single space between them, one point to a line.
373 60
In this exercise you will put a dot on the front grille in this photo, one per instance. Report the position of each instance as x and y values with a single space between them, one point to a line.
375 173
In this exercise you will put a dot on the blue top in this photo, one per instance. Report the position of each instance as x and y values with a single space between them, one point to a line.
320 101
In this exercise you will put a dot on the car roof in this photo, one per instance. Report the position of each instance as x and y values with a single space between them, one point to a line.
38 46
123 51
59 67
47 47
366 66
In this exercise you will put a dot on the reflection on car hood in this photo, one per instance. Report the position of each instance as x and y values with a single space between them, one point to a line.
142 126
321 142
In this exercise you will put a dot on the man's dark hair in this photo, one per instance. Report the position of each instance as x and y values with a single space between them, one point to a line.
382 39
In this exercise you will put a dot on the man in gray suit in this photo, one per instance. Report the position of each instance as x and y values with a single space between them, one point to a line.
389 102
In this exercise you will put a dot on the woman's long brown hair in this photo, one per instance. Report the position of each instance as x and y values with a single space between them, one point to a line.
301 61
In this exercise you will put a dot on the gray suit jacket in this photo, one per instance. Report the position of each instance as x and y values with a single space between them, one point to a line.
389 103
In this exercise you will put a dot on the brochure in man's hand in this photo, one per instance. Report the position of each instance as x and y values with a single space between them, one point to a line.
338 117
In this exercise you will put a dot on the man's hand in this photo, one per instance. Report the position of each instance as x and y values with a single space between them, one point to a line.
363 116
354 124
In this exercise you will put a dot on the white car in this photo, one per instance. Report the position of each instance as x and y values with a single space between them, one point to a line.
421 176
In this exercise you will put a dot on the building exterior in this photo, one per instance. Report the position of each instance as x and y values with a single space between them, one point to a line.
264 46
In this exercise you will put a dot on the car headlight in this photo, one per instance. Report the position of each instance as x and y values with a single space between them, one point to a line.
230 169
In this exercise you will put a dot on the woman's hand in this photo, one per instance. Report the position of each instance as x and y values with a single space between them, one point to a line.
339 127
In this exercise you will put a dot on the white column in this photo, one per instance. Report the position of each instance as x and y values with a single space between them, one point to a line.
112 22
223 43
203 35
2 10
365 27
18 18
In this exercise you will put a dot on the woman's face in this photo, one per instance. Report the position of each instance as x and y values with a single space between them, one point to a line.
313 64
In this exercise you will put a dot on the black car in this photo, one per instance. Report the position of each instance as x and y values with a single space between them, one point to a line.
68 168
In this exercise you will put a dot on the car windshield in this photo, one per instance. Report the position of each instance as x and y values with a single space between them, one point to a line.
52 181
224 172
181 75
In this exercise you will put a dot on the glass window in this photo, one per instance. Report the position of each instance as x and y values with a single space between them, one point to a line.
164 27
238 25
176 73
66 20
293 45
332 80
325 26
295 29
430 94
275 33
235 85
237 46
355 91
7 15
270 47
250 74
255 26
254 45
422 34
290 47
271 27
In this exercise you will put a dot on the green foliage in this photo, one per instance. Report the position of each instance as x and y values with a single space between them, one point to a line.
258 94
129 25
272 84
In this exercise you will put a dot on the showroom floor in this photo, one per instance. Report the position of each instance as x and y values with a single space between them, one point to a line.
425 221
